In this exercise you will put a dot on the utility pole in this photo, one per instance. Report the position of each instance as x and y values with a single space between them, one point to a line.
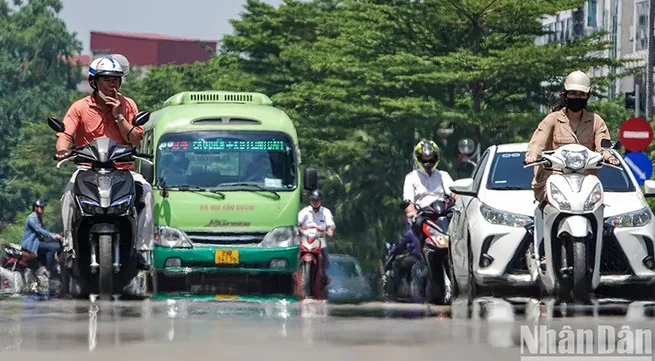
637 99
651 60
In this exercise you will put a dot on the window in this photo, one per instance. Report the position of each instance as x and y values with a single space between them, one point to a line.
344 269
479 171
507 173
210 159
591 13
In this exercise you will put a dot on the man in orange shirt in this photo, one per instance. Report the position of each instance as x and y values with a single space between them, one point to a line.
106 113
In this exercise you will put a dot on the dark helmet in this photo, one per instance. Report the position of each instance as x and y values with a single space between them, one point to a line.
38 203
316 195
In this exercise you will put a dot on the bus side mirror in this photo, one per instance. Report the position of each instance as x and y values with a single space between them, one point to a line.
310 179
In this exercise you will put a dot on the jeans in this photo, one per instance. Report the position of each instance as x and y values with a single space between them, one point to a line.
145 223
48 250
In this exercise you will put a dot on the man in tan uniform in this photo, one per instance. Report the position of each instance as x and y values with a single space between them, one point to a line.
572 124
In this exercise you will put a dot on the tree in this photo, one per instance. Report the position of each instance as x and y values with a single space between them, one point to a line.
36 78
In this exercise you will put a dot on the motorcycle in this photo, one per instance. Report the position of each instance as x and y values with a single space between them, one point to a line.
104 220
410 285
23 272
430 226
571 224
310 265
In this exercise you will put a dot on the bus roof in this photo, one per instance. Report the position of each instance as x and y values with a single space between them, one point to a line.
214 110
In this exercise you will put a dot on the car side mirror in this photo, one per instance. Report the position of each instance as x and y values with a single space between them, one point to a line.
463 187
310 179
649 188
141 118
147 171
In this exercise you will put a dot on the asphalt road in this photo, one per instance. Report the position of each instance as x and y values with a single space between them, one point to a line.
277 330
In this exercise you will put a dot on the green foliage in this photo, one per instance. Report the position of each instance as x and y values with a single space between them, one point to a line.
36 81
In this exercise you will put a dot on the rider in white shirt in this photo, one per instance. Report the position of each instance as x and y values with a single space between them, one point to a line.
425 185
317 215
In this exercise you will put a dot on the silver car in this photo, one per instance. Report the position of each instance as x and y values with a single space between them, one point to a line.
347 281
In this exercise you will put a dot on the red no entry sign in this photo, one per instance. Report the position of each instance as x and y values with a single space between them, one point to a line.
636 134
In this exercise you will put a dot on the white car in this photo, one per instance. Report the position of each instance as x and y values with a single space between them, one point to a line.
492 227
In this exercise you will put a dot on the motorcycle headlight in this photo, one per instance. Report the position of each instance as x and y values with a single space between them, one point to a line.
172 238
632 219
574 160
593 198
280 237
89 206
495 216
120 206
559 197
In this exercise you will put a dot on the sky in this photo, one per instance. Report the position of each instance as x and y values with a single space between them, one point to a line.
197 19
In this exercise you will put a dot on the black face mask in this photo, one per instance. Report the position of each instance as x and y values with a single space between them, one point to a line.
575 104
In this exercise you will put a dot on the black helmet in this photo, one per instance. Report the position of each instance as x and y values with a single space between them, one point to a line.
38 203
316 195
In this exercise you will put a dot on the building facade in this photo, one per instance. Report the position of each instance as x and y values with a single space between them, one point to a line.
626 22
144 51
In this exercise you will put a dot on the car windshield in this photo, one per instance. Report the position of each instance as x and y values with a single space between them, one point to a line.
507 173
230 160
343 269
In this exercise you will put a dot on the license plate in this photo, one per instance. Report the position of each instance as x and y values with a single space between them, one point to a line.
226 257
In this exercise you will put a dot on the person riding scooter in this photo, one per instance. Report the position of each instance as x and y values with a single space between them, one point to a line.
35 237
317 215
406 253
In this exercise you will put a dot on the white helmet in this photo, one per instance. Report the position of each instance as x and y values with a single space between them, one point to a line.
105 66
577 81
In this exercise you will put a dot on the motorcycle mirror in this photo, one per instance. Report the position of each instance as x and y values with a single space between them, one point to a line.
404 204
56 125
606 143
141 118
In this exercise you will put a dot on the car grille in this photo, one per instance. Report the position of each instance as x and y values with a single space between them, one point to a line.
519 264
612 260
225 237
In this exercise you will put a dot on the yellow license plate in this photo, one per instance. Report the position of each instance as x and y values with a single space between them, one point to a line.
226 297
226 256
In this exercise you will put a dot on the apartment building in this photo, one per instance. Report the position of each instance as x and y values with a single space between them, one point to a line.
626 21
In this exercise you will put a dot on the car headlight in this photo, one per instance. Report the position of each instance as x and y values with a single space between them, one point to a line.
495 216
632 219
558 197
281 237
593 198
119 206
575 160
172 238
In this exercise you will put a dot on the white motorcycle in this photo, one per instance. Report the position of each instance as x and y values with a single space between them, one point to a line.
571 224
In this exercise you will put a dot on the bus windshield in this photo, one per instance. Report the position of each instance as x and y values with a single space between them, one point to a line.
210 159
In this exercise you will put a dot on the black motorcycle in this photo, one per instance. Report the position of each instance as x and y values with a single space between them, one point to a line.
104 225
431 226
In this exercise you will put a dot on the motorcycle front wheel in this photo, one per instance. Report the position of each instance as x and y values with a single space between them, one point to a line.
306 280
106 274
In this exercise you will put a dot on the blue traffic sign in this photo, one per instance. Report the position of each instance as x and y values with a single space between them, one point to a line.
640 165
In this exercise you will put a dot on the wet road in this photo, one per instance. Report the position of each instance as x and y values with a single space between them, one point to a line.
276 329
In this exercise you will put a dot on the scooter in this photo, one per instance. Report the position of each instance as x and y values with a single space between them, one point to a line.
571 224
431 226
23 273
310 271
104 217
410 287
